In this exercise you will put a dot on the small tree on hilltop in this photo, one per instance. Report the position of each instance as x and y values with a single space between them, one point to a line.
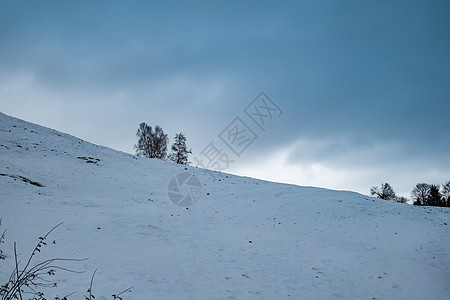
446 189
401 199
446 193
434 197
160 142
151 144
385 192
180 152
420 193
143 145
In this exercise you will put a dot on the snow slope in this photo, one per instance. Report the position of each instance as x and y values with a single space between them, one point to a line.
244 239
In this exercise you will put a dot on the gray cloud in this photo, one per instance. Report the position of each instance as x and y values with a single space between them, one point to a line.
359 82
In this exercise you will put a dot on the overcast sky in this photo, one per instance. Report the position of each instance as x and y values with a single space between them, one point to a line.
362 87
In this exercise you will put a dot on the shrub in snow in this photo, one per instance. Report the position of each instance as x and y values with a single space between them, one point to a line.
32 278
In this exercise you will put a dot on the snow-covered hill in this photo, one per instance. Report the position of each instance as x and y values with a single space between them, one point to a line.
244 238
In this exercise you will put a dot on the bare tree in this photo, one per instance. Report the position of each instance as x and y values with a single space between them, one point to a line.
446 190
151 144
180 151
144 134
420 193
446 194
385 192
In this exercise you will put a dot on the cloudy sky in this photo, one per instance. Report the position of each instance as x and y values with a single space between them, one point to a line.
362 87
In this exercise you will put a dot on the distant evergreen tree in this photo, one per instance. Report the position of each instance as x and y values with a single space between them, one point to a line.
434 196
180 151
446 194
401 199
385 192
151 144
420 193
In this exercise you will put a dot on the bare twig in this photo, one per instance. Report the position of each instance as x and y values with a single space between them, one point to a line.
17 268
90 287
118 295
39 245
2 237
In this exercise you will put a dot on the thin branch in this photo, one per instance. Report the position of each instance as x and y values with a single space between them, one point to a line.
40 243
90 286
124 291
68 295
17 270
2 237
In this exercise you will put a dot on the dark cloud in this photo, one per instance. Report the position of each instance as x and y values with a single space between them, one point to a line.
358 81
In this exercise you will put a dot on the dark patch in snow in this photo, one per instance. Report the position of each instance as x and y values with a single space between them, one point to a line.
24 179
89 160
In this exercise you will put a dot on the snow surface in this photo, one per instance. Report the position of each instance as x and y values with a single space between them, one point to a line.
246 239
